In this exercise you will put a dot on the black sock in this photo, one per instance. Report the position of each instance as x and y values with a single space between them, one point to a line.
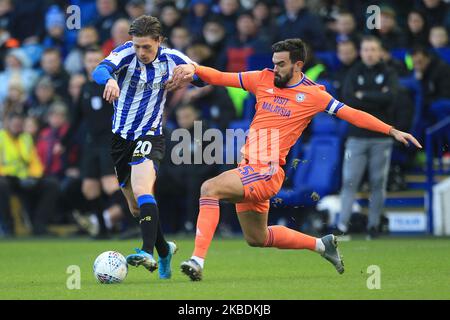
148 222
161 244
96 206
117 198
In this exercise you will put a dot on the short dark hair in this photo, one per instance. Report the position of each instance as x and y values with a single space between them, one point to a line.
420 50
52 50
146 26
93 48
14 114
295 47
371 38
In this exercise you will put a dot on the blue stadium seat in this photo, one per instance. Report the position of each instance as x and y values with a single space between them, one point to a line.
249 107
399 53
259 61
444 54
416 91
441 109
329 58
317 172
324 124
293 159
240 124
328 86
233 149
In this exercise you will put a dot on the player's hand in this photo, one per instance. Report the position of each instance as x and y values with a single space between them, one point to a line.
112 91
182 75
172 85
404 137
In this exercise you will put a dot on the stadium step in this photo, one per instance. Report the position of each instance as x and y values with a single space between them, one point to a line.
419 181
411 198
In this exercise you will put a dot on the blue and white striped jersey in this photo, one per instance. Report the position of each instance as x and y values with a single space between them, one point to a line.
138 110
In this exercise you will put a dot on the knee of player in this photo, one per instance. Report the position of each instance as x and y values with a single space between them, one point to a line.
209 189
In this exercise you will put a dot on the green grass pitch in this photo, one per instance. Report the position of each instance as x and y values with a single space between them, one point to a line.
411 268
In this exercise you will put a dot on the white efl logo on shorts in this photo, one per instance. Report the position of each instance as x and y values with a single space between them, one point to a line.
300 97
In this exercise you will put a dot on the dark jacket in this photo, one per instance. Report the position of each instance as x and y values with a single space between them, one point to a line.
95 112
379 87
339 77
436 81
306 26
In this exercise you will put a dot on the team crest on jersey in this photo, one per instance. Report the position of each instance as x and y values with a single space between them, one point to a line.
161 67
300 97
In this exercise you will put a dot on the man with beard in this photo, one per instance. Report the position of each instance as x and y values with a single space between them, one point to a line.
286 102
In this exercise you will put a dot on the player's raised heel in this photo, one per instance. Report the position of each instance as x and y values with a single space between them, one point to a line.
142 258
331 252
192 269
165 269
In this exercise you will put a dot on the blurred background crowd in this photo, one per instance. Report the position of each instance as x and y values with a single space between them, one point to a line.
43 71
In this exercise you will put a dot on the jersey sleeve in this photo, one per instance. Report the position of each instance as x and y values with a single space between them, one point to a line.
325 102
119 57
363 120
249 80
178 57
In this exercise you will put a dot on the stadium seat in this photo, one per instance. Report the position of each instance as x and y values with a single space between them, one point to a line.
329 58
248 110
444 54
316 173
292 160
259 61
399 53
324 124
441 109
233 149
414 88
319 169
328 86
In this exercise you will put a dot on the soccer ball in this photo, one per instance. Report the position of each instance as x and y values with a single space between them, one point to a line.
110 267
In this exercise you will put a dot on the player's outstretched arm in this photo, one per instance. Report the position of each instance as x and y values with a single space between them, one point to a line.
367 121
208 75
103 75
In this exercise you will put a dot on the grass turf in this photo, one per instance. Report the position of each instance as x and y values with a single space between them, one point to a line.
410 269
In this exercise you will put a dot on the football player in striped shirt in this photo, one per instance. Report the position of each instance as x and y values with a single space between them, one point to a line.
135 75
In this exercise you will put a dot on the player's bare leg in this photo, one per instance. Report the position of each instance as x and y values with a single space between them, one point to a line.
131 200
227 186
258 234
143 177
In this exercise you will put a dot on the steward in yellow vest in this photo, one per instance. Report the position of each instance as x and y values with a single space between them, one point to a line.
21 174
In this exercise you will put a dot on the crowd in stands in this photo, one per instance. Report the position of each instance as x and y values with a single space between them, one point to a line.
42 73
